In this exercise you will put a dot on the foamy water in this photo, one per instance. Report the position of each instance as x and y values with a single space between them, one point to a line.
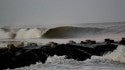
116 55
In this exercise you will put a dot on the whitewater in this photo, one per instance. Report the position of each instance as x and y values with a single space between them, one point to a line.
62 34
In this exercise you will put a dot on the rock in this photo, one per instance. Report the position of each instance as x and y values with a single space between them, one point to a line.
30 57
32 44
7 60
108 41
78 52
61 49
122 41
83 42
90 42
71 42
19 57
52 44
10 46
100 50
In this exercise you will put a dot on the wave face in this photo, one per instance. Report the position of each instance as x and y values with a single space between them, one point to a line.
71 32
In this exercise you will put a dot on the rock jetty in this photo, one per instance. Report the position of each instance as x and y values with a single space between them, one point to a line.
18 56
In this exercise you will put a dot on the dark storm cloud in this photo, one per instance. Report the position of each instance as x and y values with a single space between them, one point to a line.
61 11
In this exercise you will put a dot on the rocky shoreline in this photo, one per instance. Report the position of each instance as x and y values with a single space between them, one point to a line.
18 56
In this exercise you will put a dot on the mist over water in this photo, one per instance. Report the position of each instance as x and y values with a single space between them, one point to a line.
117 55
28 33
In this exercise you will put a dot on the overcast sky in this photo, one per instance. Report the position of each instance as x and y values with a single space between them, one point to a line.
60 11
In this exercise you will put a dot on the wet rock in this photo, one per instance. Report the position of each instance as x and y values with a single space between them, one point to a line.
14 57
122 41
30 57
10 46
71 42
88 42
78 52
83 42
7 60
108 41
100 50
32 44
52 44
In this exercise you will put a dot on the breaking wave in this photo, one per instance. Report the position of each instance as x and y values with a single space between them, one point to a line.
28 33
62 32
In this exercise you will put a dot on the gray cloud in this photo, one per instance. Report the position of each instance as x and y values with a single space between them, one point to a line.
61 11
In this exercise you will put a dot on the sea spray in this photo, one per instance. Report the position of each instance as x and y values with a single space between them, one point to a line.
3 34
33 33
117 55
55 59
61 60
28 33
20 33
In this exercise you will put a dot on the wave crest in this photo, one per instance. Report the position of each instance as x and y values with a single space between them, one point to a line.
28 33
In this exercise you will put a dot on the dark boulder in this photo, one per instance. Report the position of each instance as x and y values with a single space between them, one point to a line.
90 42
7 60
83 42
122 41
19 57
61 50
108 41
77 52
103 49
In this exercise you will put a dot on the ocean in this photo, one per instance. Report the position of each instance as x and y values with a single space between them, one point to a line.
62 34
